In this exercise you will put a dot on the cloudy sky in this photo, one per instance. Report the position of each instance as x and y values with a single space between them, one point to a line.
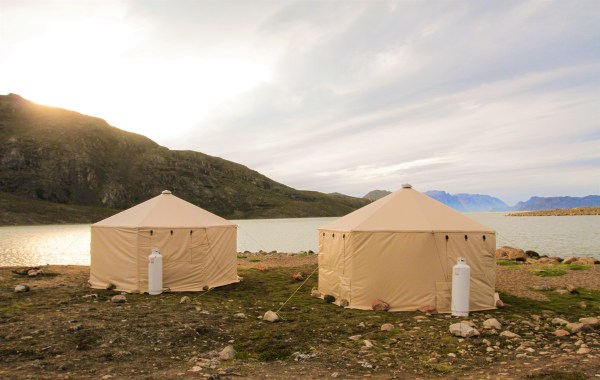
490 97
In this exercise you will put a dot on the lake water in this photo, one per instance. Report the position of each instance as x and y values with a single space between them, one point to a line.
70 244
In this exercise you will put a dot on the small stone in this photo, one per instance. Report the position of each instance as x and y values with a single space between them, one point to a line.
315 293
119 298
561 333
574 327
355 337
34 272
379 305
509 334
463 330
368 343
329 298
486 342
21 288
227 353
387 327
344 303
559 322
498 301
591 321
335 374
492 323
583 350
429 309
489 349
185 300
240 316
451 355
562 291
271 316
572 289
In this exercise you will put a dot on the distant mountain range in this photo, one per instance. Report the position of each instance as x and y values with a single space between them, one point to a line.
478 202
61 156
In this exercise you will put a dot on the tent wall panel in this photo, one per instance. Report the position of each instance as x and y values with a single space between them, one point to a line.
114 248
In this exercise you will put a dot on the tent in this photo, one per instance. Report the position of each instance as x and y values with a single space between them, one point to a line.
401 249
199 248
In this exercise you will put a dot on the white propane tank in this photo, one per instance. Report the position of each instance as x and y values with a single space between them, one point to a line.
155 283
461 287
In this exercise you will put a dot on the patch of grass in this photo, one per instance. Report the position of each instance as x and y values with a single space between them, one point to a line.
549 272
242 257
565 304
579 266
255 260
557 375
442 367
507 263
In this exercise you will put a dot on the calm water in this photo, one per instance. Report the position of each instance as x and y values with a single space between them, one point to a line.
69 244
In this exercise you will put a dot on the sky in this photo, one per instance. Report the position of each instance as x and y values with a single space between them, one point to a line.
487 97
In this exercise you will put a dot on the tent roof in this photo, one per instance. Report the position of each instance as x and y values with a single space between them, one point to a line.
406 210
165 210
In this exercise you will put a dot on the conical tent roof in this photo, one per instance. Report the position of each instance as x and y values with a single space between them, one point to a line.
406 210
165 210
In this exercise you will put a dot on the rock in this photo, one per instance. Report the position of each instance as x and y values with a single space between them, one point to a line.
270 316
591 321
240 316
429 309
562 291
542 287
572 289
227 353
509 334
185 300
490 349
329 298
387 327
355 337
510 253
492 323
532 254
344 303
335 374
21 288
315 293
583 351
300 357
498 301
34 272
569 260
379 305
549 260
586 261
463 330
574 328
561 333
119 298
559 322
368 343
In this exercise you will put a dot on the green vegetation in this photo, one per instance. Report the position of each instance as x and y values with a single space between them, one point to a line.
568 305
549 272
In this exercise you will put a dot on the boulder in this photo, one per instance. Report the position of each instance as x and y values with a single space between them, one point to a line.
550 260
34 272
328 298
532 254
21 288
492 323
387 327
379 305
185 299
586 261
119 298
561 333
570 260
510 253
463 330
270 316
227 353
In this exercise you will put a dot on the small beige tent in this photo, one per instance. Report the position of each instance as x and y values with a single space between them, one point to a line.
199 248
401 250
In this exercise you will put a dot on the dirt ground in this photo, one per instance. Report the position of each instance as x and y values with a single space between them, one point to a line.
62 329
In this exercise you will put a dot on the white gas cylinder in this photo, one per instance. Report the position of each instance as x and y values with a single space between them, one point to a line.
155 283
461 287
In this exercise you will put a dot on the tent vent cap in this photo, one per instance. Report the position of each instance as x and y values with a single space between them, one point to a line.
166 192
406 186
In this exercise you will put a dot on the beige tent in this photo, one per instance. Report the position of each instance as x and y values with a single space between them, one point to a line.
401 250
199 248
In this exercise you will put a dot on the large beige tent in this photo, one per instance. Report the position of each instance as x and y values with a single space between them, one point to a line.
199 249
401 250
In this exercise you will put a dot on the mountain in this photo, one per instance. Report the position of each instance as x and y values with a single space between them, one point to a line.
552 203
461 202
65 157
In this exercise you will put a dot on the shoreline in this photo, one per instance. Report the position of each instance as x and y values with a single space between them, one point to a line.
577 211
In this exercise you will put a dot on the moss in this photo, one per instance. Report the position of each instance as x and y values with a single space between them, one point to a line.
548 272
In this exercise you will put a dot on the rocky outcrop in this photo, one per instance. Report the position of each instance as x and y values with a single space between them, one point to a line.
510 253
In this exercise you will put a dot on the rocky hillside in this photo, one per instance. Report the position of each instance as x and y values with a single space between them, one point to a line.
65 157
